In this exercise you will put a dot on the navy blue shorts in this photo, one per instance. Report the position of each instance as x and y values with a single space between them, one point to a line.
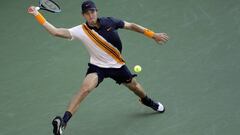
120 75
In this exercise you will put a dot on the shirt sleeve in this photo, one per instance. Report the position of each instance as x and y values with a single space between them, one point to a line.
117 22
74 31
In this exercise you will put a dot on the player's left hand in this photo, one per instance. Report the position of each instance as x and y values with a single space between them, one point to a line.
161 38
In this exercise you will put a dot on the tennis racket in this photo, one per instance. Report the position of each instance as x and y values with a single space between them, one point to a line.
49 5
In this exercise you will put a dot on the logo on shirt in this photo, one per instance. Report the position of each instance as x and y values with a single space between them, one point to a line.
108 29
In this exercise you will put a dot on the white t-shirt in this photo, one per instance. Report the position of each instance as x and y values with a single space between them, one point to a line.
98 56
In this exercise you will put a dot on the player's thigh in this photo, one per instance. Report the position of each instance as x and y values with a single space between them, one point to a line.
122 75
90 82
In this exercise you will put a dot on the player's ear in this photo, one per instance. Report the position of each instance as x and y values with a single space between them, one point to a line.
83 13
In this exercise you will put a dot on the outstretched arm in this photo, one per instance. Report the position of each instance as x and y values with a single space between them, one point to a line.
58 32
158 37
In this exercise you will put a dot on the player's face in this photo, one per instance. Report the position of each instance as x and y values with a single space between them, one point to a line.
90 16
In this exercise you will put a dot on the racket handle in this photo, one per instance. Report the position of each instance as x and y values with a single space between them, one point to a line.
37 8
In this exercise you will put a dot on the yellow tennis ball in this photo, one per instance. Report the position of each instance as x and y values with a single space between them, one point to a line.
137 68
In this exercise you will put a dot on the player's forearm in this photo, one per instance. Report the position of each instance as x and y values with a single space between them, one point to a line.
137 28
58 32
140 29
50 28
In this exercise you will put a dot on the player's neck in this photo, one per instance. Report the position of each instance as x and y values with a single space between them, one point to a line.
95 24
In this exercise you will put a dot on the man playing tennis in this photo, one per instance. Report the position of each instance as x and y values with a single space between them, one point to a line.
100 36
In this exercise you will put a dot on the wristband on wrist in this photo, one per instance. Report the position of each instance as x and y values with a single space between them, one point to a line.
148 33
39 17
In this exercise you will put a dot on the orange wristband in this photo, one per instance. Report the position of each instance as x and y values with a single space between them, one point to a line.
39 17
148 33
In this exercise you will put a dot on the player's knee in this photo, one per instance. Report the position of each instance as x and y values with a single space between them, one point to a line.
133 85
85 89
134 82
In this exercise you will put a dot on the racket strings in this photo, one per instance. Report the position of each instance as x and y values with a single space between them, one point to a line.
50 5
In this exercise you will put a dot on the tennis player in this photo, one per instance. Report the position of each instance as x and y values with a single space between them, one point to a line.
100 36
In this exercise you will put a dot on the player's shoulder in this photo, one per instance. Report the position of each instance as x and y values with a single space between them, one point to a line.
105 18
76 28
108 20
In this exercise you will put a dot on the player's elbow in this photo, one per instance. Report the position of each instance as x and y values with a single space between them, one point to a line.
55 33
62 33
132 25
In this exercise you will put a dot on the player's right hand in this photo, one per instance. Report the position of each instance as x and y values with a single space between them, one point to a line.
32 10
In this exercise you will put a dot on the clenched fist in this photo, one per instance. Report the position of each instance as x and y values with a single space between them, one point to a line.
33 10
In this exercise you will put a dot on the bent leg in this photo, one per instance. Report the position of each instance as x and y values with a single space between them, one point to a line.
89 83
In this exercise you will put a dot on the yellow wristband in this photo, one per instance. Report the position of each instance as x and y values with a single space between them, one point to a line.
148 33
39 17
